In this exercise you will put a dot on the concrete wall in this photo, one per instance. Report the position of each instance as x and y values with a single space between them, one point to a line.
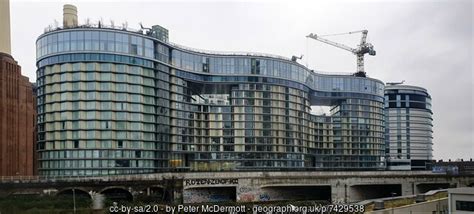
211 194
435 206
345 187
336 187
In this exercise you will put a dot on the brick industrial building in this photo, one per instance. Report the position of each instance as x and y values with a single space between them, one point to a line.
17 109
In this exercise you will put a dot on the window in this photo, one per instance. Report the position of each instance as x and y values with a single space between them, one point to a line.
121 106
228 140
121 87
215 140
120 144
138 154
133 49
135 107
90 95
75 115
76 144
64 86
91 134
75 86
121 115
122 163
106 115
255 66
135 79
121 135
464 205
91 86
105 76
228 148
106 125
105 86
105 95
63 77
89 144
135 88
135 98
105 67
106 106
90 75
121 97
135 116
90 105
106 134
135 126
90 114
121 125
121 77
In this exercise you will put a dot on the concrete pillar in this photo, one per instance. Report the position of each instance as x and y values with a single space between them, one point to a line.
178 195
339 192
5 41
247 191
408 188
97 201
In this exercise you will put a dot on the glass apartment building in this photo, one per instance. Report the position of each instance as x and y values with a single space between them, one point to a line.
117 101
409 124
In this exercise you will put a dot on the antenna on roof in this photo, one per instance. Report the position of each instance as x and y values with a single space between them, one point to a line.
100 22
88 22
56 24
124 26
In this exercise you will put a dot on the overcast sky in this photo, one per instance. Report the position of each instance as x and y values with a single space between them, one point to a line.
425 43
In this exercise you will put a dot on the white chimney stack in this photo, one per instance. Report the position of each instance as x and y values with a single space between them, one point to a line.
69 16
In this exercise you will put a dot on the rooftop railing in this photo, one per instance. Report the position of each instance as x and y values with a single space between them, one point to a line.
233 53
100 25
124 27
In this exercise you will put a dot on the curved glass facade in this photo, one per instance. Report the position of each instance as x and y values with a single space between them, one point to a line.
409 127
119 102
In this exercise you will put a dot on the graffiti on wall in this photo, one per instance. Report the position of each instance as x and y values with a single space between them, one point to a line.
199 195
211 181
264 197
245 189
247 197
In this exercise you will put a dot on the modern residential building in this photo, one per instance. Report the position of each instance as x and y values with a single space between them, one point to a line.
119 101
17 108
409 127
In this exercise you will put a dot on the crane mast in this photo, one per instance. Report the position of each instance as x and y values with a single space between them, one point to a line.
362 49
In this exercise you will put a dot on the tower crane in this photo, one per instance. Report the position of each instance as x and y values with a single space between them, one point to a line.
360 51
